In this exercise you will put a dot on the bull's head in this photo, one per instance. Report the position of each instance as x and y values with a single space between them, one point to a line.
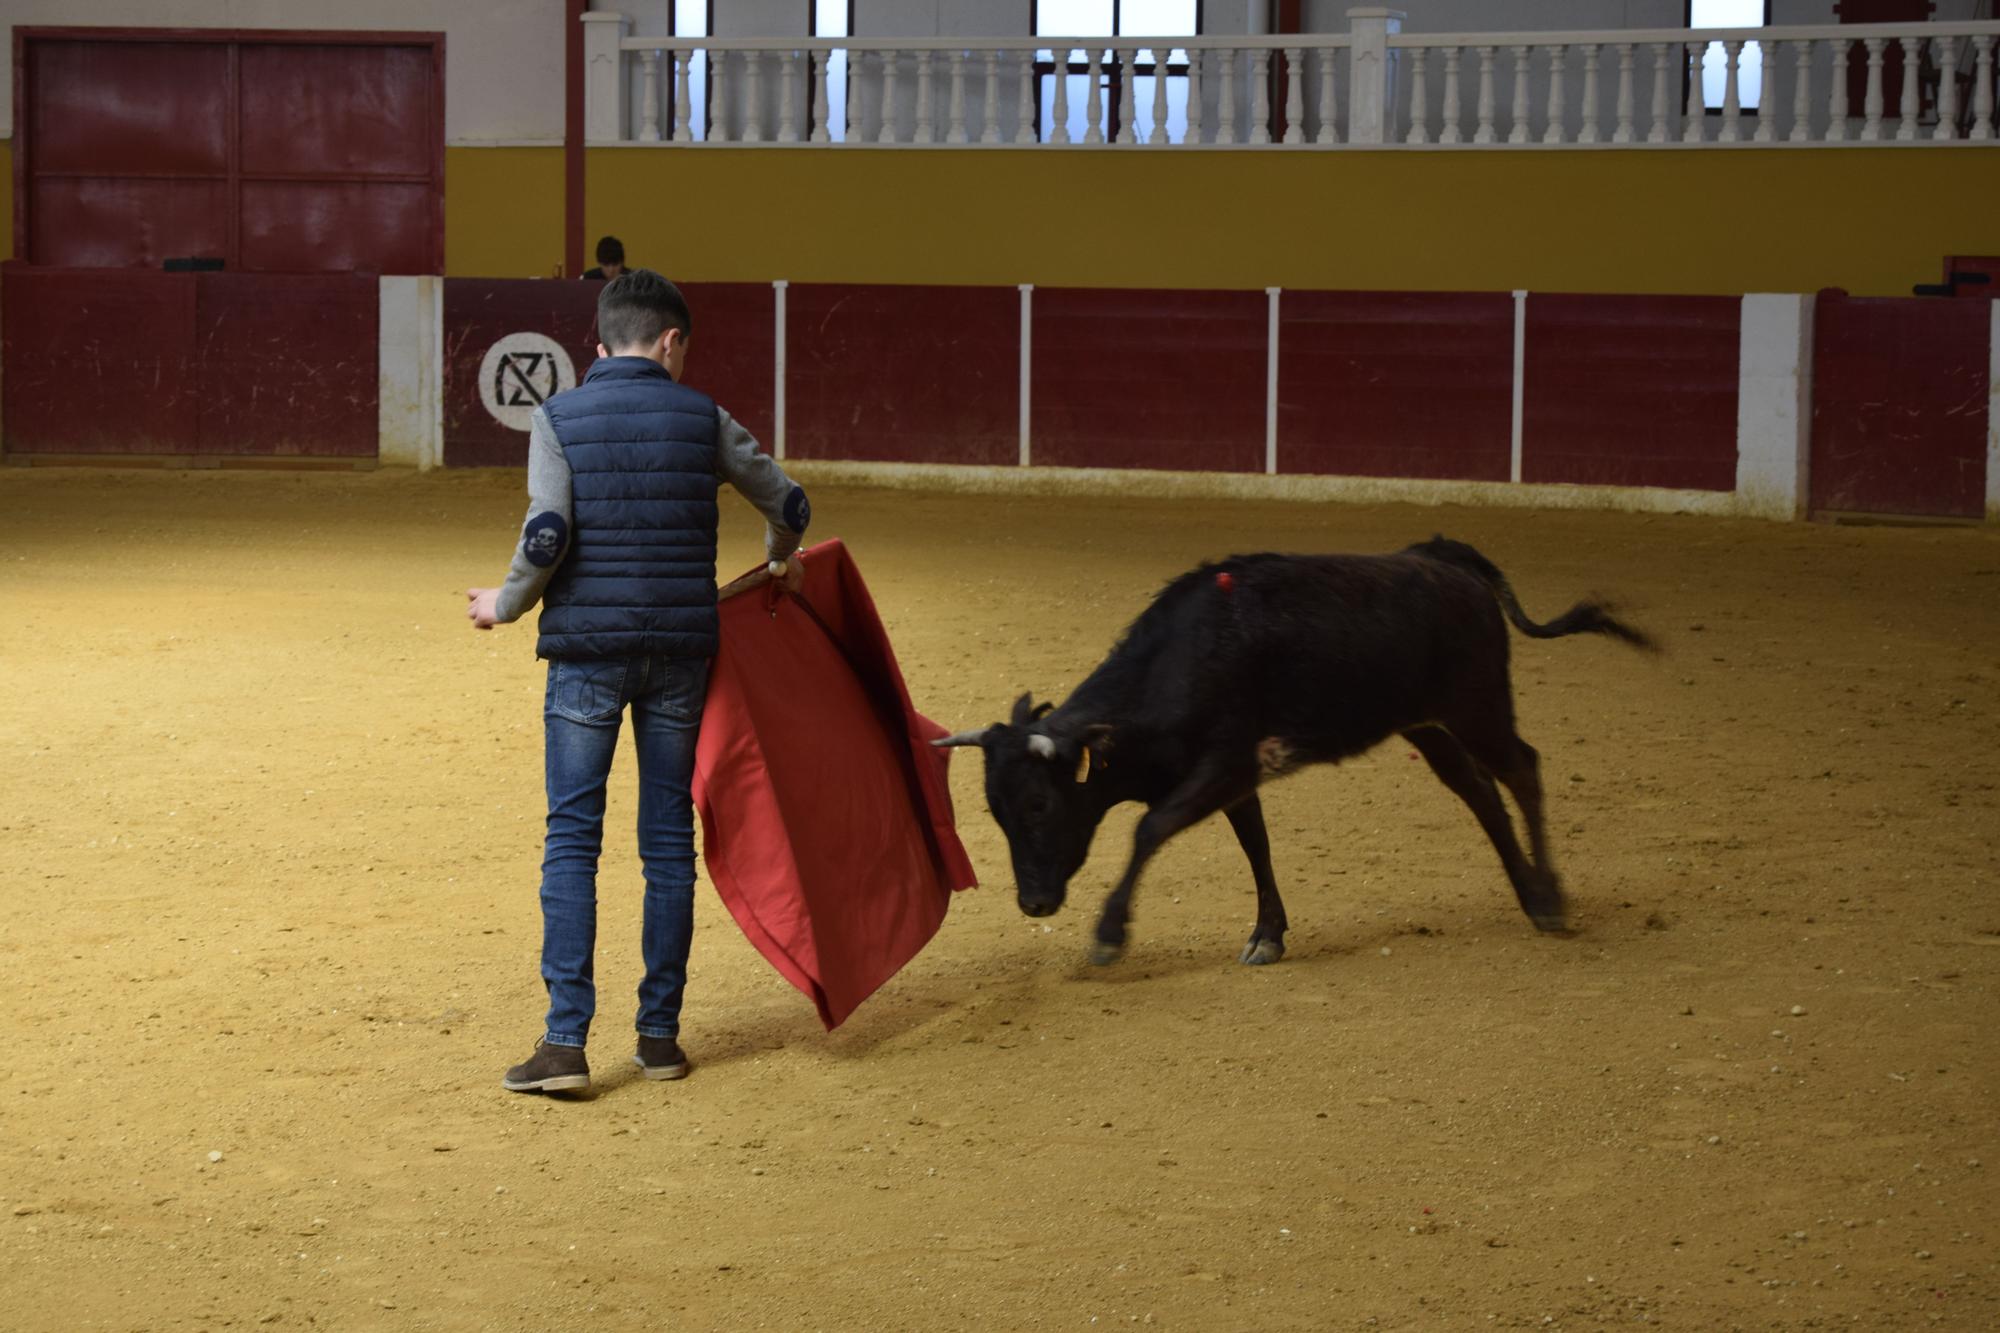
1041 788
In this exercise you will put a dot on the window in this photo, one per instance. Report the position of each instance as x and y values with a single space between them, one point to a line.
835 18
1715 60
693 18
1115 18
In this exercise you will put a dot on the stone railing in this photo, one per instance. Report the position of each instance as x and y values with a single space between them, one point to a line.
1370 86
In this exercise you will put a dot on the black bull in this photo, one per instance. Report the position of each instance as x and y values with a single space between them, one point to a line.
1244 670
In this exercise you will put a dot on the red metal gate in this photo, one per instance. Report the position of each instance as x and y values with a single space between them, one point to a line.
276 152
1899 406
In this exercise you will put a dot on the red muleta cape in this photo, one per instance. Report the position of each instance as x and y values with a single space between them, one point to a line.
826 818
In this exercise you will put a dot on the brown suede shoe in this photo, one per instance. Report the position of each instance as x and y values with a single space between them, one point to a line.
660 1057
549 1069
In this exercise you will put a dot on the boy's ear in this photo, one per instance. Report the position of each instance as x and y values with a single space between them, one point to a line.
601 352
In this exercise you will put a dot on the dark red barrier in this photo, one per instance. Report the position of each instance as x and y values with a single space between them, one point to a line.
732 358
288 366
729 358
903 374
1154 379
211 364
1899 405
1396 384
1631 391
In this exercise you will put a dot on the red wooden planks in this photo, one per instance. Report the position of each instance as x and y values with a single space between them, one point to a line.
1396 384
903 374
1149 379
478 312
287 366
1899 405
1631 391
118 362
730 357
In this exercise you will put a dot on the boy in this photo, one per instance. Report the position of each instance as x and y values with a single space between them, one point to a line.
619 545
610 260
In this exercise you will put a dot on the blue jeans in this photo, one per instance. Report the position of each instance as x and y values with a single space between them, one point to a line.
584 704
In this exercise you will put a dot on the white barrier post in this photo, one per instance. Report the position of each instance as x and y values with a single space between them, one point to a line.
1993 418
1271 383
778 369
1027 362
1774 406
409 408
1371 77
604 77
1520 379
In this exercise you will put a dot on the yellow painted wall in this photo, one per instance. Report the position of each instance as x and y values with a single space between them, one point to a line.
6 198
1872 220
503 212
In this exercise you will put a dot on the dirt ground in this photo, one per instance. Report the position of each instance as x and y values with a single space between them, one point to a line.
273 826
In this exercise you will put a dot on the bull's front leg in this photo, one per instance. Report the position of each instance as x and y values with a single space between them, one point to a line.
1209 787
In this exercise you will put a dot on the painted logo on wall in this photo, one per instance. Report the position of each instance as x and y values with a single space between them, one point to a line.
521 372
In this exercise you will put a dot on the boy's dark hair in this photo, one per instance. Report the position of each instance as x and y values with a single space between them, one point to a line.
637 307
610 250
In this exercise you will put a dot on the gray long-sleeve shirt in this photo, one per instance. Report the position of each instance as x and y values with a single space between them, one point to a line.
539 553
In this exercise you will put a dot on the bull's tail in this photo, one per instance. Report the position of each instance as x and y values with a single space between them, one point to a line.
1586 617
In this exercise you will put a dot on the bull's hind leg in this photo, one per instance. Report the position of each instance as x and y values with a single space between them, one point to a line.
1267 941
1534 884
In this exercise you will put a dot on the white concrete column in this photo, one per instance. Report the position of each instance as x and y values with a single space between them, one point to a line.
1520 384
778 289
1774 406
604 76
410 372
1371 80
1271 295
1027 362
1993 418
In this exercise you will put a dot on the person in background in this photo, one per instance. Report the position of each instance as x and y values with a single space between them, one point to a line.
619 548
610 260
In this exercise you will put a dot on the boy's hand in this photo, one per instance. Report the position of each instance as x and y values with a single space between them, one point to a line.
483 606
791 575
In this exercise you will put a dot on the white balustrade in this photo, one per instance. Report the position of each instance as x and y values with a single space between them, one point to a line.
1328 106
1225 129
1947 63
1906 123
1196 113
1093 106
1871 128
1982 91
1295 95
649 97
1484 134
1260 96
924 132
1694 117
1059 132
1158 134
1587 132
1517 127
1448 130
1024 108
820 132
1564 75
1558 110
1420 104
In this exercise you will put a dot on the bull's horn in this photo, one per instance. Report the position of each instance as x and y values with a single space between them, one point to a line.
1041 746
977 737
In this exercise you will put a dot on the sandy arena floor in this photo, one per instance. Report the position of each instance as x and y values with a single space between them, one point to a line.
273 825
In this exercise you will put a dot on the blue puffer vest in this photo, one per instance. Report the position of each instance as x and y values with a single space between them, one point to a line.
639 577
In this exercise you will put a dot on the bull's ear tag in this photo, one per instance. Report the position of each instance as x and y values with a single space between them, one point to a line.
1083 766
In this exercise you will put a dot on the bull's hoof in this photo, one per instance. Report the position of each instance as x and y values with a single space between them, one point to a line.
1259 952
1551 923
1104 955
